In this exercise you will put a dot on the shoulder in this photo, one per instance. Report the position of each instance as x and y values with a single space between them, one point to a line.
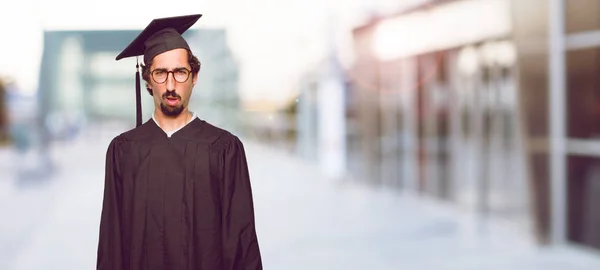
219 139
123 141
210 132
228 151
213 135
138 133
118 145
118 141
227 141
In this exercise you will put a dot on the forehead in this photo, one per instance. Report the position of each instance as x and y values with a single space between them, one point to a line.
171 59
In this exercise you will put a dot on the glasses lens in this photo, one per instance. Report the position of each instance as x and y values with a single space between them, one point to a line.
160 76
181 75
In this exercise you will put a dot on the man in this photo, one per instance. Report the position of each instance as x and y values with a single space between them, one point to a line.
177 193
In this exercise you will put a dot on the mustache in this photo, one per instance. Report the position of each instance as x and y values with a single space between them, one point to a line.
171 94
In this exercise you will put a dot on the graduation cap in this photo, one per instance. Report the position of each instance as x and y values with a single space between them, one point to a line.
161 35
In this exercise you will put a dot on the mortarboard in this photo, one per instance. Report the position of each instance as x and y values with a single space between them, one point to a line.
161 35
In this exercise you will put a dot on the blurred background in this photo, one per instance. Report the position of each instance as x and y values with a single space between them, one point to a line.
379 133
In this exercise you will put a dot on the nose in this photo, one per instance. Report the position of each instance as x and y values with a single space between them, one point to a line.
170 83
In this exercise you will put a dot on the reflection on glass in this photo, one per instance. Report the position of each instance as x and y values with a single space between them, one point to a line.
583 200
582 15
583 94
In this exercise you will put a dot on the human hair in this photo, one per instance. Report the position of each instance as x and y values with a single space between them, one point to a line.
192 60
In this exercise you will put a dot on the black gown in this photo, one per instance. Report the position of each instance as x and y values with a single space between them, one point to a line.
183 202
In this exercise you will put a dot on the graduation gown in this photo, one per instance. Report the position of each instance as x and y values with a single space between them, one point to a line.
183 202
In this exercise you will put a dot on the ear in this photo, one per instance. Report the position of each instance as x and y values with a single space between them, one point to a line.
149 90
195 78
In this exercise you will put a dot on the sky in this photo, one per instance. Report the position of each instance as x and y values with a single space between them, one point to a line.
273 40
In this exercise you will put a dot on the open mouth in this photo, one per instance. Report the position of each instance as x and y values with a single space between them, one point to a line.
172 101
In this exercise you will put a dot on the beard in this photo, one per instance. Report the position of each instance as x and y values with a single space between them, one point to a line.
170 110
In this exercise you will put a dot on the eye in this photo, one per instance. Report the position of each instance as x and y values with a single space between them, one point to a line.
159 72
181 72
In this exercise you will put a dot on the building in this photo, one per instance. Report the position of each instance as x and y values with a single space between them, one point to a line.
491 105
80 81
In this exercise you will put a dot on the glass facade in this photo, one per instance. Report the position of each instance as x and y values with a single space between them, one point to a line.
470 124
583 191
582 15
583 95
582 24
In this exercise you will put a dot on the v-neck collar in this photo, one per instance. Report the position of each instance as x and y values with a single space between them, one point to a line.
170 133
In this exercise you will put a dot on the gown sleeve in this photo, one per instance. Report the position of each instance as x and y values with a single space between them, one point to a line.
240 243
109 254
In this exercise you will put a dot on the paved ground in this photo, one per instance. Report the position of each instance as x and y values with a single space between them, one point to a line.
304 221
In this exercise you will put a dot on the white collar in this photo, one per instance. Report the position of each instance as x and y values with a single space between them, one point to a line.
170 133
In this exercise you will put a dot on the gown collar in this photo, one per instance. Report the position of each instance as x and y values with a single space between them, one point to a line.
170 133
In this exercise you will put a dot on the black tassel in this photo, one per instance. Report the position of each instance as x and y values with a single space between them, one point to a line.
138 96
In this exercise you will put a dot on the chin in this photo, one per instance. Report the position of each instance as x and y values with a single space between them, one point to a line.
171 111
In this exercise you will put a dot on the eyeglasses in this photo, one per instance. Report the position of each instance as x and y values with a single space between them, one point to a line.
160 75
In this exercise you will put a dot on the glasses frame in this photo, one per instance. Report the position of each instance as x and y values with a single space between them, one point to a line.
173 74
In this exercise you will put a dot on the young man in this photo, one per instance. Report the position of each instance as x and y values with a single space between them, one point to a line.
177 193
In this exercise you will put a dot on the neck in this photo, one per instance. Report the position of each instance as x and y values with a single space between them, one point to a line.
169 123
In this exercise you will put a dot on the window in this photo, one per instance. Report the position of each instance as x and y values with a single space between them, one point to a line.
583 93
582 15
583 199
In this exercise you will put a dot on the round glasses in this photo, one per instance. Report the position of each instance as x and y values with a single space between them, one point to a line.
160 75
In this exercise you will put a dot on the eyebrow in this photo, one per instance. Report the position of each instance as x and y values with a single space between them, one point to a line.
176 68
